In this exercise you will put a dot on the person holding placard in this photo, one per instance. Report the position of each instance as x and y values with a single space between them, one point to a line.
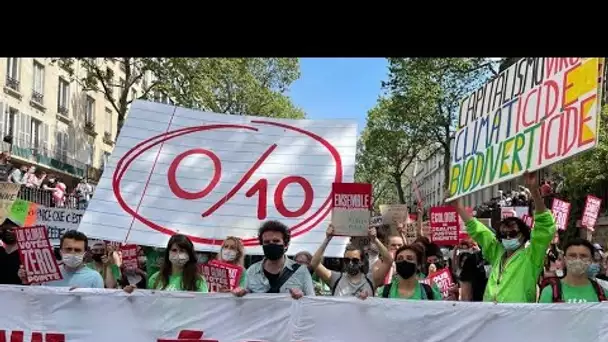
9 254
179 271
353 281
515 268
233 252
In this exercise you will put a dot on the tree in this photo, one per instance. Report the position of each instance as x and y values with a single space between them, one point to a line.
368 170
389 145
429 91
253 86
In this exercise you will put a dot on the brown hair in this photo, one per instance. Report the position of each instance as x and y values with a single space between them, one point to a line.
418 249
191 275
240 251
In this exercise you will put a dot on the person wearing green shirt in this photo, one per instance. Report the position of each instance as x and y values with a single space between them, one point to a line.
233 252
179 271
408 262
105 261
154 258
576 286
515 268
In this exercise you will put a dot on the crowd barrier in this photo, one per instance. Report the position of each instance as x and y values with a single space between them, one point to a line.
86 315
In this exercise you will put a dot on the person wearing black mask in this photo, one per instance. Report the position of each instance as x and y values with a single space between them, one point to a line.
276 273
9 254
408 262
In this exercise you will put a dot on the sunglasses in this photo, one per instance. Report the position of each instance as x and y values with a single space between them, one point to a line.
352 260
511 234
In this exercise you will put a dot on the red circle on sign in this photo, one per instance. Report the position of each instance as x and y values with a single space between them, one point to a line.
183 194
298 229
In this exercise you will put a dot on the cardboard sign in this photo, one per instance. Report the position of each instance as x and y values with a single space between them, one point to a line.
351 207
548 108
37 256
513 212
129 256
8 195
234 272
209 176
217 277
443 279
444 226
561 212
592 210
393 214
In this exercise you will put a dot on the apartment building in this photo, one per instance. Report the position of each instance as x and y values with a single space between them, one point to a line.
56 125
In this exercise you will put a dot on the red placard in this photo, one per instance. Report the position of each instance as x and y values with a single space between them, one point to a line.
592 210
217 277
234 272
528 220
561 212
351 208
129 256
36 254
444 226
443 279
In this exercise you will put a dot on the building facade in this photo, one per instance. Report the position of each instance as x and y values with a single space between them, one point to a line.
56 125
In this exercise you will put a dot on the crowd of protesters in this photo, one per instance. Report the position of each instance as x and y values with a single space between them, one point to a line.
515 264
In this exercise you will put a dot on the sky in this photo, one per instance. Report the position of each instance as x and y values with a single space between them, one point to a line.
339 88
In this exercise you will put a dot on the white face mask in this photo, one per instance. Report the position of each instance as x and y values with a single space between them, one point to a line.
228 254
72 260
178 259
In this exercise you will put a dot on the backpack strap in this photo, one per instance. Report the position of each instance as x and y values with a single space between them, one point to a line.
599 290
333 288
386 290
556 290
371 286
428 291
287 273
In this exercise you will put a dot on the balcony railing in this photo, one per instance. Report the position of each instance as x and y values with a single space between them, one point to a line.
12 83
62 109
37 97
45 198
51 157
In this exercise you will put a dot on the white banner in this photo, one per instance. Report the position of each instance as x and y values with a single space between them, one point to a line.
146 316
58 221
210 176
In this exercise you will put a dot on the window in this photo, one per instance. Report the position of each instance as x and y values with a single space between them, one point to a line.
110 82
61 145
89 110
36 129
11 122
104 159
38 81
12 68
108 123
63 96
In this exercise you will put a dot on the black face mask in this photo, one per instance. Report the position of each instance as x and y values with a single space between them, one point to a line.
273 251
97 257
7 237
405 269
352 269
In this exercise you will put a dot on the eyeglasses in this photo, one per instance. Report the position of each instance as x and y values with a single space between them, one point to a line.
352 261
511 234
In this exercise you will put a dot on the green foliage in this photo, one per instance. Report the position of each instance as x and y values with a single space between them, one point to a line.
253 86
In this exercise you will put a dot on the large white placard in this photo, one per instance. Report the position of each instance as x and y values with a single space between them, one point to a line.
109 315
213 175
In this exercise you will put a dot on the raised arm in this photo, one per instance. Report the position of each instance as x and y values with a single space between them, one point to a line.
382 269
481 234
316 264
544 224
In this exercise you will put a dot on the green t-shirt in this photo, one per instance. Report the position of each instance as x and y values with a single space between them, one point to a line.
153 256
115 271
243 280
571 294
417 295
421 277
175 283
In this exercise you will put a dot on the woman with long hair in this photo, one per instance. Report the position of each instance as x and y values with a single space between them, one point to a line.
178 271
233 252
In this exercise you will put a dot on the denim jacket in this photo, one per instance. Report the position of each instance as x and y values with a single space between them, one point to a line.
301 279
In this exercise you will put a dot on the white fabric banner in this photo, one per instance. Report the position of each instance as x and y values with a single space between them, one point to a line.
146 316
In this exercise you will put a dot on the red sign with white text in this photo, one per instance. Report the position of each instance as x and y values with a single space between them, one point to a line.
443 279
217 277
234 272
561 212
592 210
444 226
528 220
129 256
351 208
37 256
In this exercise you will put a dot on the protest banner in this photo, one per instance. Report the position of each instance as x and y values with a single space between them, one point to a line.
443 279
37 256
351 206
57 220
8 195
528 220
592 210
129 256
514 212
210 176
234 272
39 313
444 226
217 277
393 215
537 112
561 213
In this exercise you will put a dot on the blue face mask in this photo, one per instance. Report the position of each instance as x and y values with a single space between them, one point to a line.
593 270
511 244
